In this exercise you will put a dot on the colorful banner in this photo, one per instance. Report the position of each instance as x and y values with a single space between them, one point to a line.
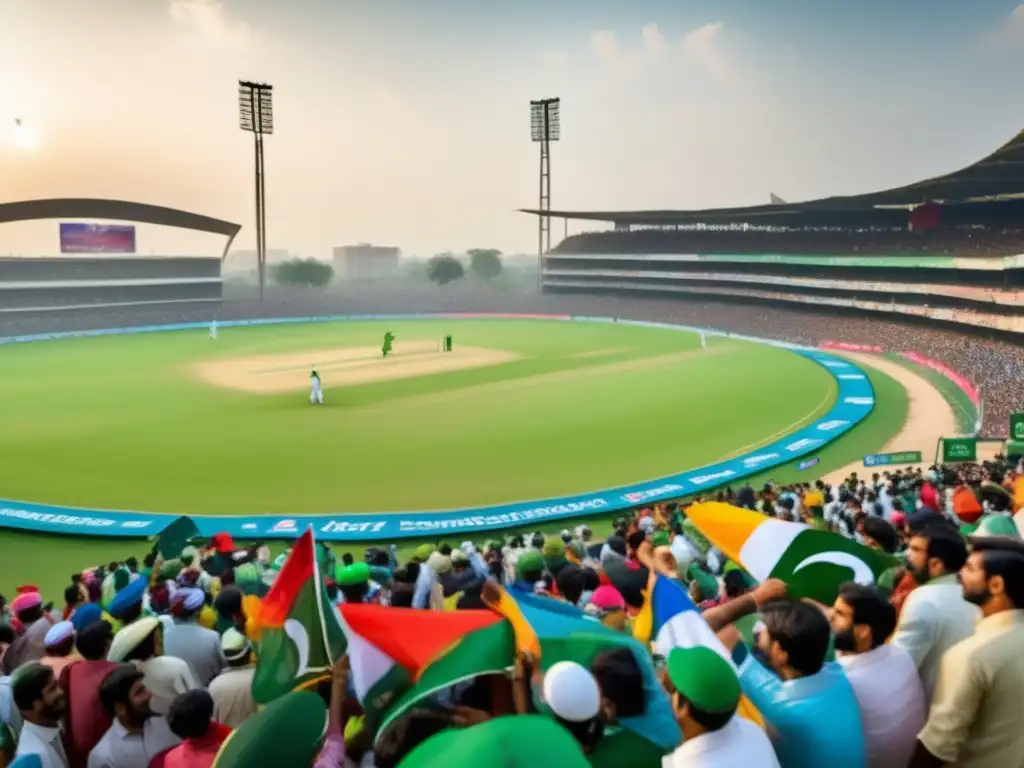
843 346
96 238
887 459
854 401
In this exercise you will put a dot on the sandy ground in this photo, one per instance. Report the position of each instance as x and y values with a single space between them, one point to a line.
929 417
343 366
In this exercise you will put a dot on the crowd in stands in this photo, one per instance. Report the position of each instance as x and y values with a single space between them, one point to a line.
716 632
895 241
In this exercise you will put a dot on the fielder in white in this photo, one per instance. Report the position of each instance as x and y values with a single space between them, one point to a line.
316 392
213 329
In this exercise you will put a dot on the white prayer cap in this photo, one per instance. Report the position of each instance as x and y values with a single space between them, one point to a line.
571 692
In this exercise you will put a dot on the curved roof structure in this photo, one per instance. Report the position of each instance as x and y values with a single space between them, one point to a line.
1000 174
120 210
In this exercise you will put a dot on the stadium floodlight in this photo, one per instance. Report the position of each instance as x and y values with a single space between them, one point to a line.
545 127
256 115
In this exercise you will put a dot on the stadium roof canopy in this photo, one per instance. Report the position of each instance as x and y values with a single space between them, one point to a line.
999 175
118 210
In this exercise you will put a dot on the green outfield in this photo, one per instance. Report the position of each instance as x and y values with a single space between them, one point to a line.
126 422
546 408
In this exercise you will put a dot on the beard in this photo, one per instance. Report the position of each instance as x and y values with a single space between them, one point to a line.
978 597
920 574
844 641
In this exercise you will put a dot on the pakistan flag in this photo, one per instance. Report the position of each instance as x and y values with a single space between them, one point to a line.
812 562
300 634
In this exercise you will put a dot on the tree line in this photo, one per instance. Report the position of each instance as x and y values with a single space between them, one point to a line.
484 264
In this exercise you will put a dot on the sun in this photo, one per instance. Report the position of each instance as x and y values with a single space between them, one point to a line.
25 138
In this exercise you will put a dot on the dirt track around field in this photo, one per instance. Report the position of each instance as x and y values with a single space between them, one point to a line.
929 417
343 366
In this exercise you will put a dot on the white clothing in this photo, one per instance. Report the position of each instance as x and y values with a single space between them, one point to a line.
44 742
167 677
120 749
213 330
197 645
935 617
890 697
316 392
739 743
231 691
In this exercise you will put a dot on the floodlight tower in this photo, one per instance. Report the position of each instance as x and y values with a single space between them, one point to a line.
256 115
544 128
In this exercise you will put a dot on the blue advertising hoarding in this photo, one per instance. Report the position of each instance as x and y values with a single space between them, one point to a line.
96 238
854 401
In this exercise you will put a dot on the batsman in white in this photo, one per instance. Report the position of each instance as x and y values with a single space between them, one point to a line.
316 392
213 329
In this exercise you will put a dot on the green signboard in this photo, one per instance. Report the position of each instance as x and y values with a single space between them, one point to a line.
886 459
1017 426
957 449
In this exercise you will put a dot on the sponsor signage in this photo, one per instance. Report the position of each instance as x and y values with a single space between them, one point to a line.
957 449
854 402
842 346
808 463
96 238
886 459
1017 426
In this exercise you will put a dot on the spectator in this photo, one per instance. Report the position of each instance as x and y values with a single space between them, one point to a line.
60 645
166 677
935 616
974 718
187 640
884 677
136 735
231 690
86 720
41 702
191 720
808 703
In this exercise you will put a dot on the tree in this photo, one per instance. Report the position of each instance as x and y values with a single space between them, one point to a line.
303 272
485 263
444 269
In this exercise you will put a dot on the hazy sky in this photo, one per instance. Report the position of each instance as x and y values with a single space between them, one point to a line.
406 122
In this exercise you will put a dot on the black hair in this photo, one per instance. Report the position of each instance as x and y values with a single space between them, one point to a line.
919 522
117 686
882 532
76 578
93 640
347 559
354 593
619 677
332 591
133 564
1006 559
72 594
801 630
946 544
146 649
710 721
445 549
472 598
406 733
591 580
228 602
7 634
29 688
735 583
870 608
380 558
617 544
570 583
190 714
636 538
537 541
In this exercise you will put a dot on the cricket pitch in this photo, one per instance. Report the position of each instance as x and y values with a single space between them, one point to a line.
343 366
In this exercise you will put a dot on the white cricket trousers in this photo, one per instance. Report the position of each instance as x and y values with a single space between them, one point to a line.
316 397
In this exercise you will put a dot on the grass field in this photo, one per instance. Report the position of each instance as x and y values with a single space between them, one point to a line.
122 422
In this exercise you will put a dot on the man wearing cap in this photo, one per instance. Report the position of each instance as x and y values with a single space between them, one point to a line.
529 571
165 676
41 702
231 690
129 601
187 640
572 694
60 645
705 693
354 583
136 735
28 610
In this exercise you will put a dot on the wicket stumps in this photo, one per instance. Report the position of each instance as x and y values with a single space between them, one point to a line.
445 344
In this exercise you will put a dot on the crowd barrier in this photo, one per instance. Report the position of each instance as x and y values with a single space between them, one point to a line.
855 400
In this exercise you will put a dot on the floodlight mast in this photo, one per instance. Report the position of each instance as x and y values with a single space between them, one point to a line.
545 127
256 115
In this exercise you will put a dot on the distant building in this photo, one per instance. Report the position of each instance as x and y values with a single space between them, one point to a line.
357 262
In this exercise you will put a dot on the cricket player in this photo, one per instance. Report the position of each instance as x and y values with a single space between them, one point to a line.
213 329
388 338
316 392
